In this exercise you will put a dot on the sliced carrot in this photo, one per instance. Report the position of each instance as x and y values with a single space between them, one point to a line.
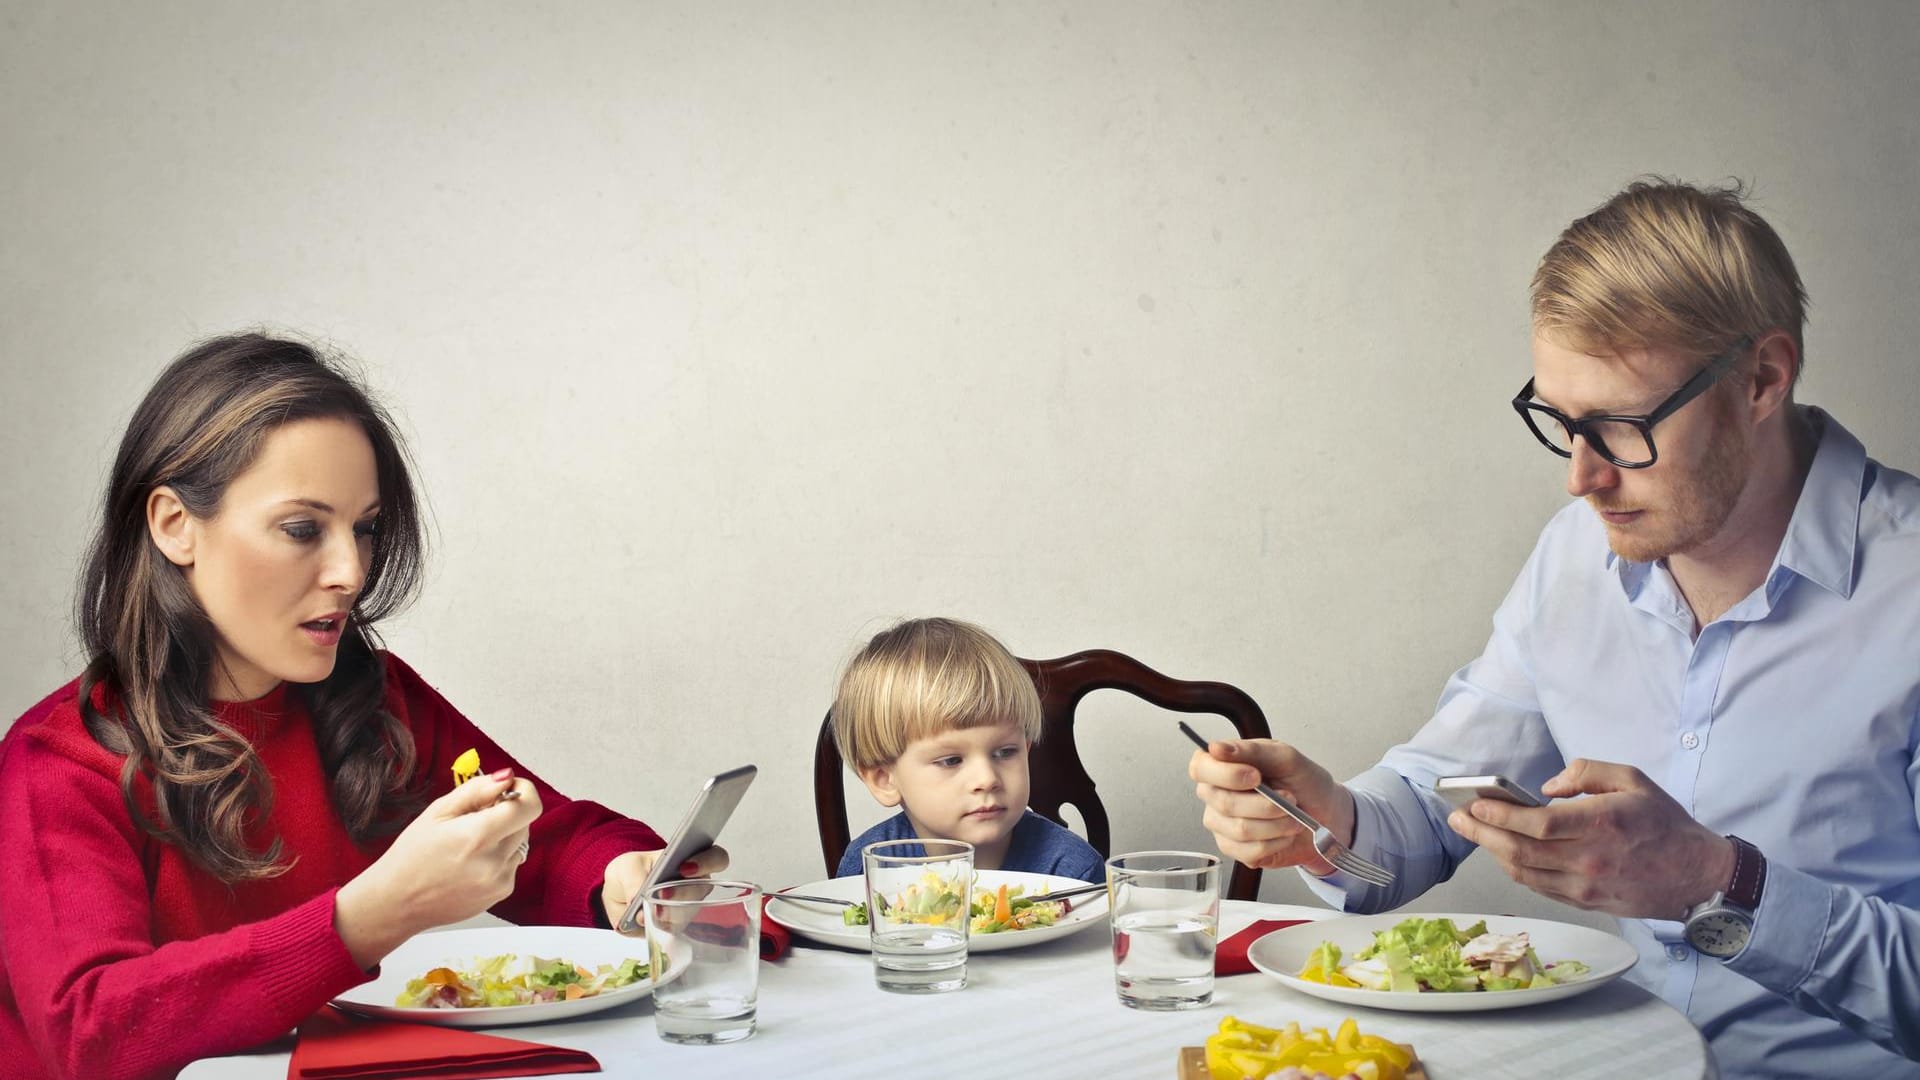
1002 910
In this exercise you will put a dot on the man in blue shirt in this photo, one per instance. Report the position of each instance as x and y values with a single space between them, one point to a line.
1718 654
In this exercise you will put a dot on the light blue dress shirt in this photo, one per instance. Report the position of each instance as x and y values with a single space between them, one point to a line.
1792 721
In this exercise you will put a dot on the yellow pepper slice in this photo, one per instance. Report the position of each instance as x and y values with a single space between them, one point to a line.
1243 1051
1347 1039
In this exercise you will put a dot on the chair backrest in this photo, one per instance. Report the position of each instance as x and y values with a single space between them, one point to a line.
1058 777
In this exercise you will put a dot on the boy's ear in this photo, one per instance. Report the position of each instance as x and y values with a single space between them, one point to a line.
170 526
879 781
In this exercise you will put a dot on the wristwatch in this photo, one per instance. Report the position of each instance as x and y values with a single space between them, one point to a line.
1721 926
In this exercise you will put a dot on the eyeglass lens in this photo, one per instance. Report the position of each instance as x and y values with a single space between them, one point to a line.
1623 443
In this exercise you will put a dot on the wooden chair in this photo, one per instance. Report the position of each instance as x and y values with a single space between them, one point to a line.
1058 777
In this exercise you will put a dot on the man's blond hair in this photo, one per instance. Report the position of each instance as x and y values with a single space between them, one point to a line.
1668 265
924 677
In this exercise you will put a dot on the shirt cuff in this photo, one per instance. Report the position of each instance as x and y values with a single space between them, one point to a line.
1371 804
1393 826
1795 915
1333 889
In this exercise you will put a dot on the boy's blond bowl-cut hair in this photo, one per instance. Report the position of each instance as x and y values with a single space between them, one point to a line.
923 677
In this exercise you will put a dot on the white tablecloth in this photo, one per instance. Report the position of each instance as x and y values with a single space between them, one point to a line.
1050 1011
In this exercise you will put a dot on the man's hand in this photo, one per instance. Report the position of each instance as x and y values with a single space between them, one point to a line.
1245 825
1626 849
628 872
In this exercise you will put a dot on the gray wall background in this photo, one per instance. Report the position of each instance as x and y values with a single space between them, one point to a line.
726 333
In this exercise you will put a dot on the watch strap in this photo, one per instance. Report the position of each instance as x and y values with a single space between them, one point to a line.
1749 876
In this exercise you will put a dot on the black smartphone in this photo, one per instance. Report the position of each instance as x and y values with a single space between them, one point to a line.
697 832
1461 790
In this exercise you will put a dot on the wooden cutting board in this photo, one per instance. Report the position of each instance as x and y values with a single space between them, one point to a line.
1193 1065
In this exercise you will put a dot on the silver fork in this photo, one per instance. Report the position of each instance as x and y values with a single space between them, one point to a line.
805 899
1324 842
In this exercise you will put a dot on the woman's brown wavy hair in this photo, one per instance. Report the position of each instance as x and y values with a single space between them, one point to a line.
150 645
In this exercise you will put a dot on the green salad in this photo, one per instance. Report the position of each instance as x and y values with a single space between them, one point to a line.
994 911
1435 956
510 979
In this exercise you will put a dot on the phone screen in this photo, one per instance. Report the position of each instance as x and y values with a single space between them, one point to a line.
697 832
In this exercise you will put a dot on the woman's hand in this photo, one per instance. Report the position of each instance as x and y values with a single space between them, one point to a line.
456 860
627 873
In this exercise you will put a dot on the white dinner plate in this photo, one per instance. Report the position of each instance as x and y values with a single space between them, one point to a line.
822 922
1284 952
456 949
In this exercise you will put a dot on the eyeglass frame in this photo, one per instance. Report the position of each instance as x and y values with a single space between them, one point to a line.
1713 372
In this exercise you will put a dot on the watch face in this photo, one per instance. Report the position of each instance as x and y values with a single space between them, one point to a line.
1719 933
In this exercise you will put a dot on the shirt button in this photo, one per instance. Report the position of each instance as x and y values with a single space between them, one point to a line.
1689 740
1678 953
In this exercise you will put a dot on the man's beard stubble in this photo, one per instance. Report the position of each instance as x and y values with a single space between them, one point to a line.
1696 510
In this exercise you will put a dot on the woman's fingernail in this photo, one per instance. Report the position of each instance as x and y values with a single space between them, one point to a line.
501 774
689 868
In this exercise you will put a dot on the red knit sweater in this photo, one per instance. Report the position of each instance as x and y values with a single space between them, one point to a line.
119 958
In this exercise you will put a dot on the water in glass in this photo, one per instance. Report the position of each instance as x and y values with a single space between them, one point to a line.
1164 959
711 933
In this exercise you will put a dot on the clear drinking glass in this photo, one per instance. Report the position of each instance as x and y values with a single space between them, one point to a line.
710 931
918 893
1166 913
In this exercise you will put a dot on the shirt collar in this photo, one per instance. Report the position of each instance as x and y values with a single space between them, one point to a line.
1825 526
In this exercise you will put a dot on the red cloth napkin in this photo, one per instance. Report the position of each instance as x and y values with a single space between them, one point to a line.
728 924
1230 956
334 1046
775 939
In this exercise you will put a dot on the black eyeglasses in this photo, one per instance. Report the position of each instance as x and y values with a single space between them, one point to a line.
1627 441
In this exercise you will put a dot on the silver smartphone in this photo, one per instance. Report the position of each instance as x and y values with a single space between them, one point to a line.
1461 790
697 832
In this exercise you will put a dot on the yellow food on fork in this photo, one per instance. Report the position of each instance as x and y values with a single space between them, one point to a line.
1243 1051
467 766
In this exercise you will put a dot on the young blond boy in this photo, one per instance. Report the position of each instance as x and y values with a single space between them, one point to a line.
937 718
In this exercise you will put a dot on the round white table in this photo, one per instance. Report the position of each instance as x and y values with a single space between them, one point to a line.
1049 1013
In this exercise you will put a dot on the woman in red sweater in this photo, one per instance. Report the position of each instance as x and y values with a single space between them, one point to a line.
243 804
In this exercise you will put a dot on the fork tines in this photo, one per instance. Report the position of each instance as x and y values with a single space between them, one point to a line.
1366 870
